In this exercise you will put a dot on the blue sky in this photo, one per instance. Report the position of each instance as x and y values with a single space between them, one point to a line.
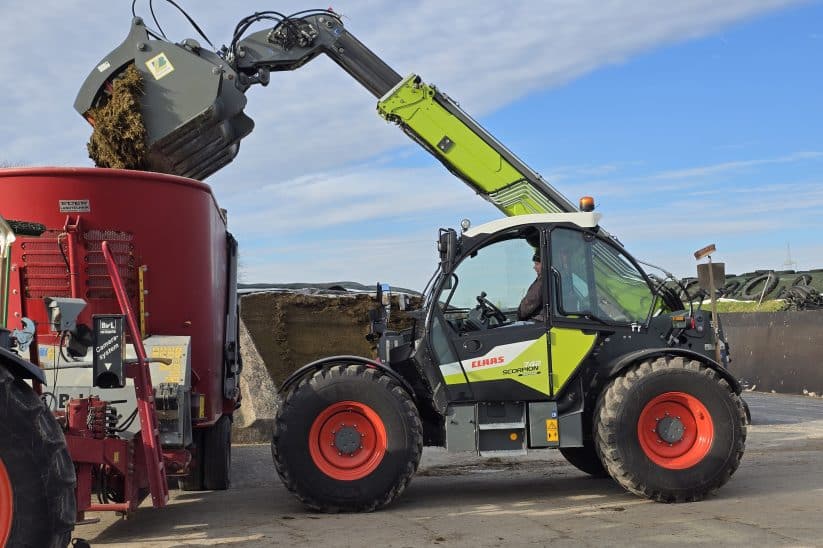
691 122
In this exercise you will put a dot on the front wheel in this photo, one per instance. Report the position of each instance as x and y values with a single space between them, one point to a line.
37 504
670 430
347 439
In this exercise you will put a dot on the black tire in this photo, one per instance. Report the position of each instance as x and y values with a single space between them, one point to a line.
730 288
802 280
193 481
585 459
685 290
750 291
618 432
323 391
39 469
217 455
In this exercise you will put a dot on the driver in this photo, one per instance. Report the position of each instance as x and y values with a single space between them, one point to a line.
531 307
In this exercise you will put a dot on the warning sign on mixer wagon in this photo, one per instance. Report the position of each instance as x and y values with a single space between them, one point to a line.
75 206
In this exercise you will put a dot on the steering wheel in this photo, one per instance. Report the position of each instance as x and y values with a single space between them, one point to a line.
489 310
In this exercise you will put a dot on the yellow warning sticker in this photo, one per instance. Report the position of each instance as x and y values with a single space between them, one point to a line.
172 373
551 430
159 66
48 355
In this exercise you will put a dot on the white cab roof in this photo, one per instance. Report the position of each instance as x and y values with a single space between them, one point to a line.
580 218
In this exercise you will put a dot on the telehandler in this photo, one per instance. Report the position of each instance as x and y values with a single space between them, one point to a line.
615 373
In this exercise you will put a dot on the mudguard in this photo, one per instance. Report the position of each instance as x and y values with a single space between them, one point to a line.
21 368
342 360
633 357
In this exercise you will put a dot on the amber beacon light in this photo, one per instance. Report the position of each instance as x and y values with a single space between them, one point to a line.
587 203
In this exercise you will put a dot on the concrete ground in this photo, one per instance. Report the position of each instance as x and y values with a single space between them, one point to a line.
774 499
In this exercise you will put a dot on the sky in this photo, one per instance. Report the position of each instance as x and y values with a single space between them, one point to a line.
690 122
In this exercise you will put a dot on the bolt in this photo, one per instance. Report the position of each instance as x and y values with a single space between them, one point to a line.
340 50
670 445
141 46
678 418
667 413
361 447
339 454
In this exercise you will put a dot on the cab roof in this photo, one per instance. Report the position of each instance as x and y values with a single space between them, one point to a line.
579 218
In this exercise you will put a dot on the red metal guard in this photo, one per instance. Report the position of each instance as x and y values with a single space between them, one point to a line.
158 485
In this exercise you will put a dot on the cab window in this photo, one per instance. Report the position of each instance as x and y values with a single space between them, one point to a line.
593 278
503 270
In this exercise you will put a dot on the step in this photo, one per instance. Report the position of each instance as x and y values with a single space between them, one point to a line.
501 426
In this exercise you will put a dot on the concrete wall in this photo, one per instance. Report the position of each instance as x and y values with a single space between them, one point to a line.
778 351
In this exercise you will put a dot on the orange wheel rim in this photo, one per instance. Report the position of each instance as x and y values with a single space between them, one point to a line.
675 430
6 504
347 440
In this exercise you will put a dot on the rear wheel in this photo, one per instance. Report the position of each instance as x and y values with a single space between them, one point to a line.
585 459
670 430
193 481
347 439
211 458
37 504
217 455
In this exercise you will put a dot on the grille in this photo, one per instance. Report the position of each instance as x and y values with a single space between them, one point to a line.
46 272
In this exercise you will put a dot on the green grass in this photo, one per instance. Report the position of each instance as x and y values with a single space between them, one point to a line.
725 307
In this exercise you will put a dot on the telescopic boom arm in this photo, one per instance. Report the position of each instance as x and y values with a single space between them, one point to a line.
194 99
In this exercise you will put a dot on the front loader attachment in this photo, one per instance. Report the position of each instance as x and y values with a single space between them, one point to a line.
191 104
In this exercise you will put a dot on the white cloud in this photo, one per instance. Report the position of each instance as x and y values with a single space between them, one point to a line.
294 174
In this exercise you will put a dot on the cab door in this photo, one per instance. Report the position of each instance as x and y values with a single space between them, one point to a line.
596 291
484 352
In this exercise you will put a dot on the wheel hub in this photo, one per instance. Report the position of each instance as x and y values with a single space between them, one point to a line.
670 429
347 440
675 430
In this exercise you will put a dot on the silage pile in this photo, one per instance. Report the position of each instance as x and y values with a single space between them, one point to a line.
292 329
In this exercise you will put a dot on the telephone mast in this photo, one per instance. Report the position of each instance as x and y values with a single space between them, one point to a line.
789 263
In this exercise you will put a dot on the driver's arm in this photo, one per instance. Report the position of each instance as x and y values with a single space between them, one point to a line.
532 302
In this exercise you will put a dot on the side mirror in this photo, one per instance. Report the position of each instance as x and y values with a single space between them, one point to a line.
447 247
